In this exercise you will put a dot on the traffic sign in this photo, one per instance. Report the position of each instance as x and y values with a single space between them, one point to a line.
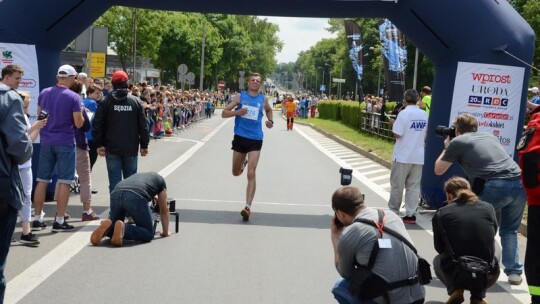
338 80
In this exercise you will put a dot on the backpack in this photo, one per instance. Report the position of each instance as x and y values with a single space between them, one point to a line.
528 149
366 285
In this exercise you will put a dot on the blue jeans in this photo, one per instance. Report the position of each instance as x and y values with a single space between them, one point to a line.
7 226
63 157
118 167
508 198
343 296
126 202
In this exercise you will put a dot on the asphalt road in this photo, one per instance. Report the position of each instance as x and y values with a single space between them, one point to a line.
282 255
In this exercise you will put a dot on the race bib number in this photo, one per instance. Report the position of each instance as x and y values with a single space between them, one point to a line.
252 112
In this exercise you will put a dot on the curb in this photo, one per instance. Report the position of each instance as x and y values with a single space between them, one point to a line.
522 228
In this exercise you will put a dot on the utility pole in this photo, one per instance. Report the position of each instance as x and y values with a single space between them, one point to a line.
201 78
134 45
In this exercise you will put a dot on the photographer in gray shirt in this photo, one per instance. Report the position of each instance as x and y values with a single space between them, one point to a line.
495 178
354 241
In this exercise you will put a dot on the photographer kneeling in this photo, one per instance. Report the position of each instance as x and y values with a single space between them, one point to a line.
465 227
495 178
353 243
131 196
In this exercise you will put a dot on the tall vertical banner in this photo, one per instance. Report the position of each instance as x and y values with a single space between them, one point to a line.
25 56
395 59
355 43
492 94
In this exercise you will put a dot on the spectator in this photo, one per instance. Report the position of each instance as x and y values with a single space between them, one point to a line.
248 136
495 178
353 241
25 170
57 145
463 214
90 103
82 165
409 129
131 196
16 149
425 103
290 108
119 128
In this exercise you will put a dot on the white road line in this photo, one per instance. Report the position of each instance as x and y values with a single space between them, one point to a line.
323 204
381 177
376 171
38 272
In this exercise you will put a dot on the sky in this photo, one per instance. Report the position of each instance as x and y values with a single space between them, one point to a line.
298 34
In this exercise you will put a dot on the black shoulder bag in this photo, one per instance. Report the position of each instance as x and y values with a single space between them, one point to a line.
365 285
469 272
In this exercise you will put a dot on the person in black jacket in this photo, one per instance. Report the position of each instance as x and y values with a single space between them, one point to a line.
470 225
119 128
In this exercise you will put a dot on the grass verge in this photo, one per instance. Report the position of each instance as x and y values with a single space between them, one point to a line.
381 147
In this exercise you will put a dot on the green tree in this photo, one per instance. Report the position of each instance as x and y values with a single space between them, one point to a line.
119 20
531 13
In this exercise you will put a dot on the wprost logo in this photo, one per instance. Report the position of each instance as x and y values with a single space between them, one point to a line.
491 78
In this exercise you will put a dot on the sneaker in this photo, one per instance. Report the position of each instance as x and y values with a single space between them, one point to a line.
64 227
94 191
456 297
479 301
66 216
38 226
515 279
118 234
89 217
100 232
409 219
244 164
245 213
30 239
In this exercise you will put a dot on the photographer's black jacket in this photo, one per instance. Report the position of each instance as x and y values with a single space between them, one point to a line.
120 125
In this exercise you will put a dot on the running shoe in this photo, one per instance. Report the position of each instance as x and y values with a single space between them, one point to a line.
29 239
64 227
89 217
409 219
245 213
38 226
244 164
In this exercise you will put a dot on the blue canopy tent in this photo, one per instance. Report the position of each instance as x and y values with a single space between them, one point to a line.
446 31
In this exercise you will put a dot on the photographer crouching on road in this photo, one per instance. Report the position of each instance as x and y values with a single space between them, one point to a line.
132 195
354 243
452 226
495 178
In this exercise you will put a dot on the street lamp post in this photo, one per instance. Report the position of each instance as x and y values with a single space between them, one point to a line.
415 69
316 79
201 78
329 79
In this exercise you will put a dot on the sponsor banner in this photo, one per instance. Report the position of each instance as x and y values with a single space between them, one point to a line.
395 59
25 56
492 94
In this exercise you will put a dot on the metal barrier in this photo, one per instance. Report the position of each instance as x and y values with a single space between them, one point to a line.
374 124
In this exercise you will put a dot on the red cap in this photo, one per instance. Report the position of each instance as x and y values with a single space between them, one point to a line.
120 76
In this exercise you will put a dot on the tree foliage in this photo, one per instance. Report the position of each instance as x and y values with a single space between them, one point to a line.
232 43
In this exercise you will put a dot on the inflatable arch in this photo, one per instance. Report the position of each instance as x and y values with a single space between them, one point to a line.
447 31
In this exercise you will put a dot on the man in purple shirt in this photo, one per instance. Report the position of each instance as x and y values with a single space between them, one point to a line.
57 145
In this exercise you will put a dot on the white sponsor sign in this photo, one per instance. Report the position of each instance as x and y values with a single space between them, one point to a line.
492 94
25 56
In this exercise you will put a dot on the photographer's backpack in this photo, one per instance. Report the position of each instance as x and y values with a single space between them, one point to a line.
528 149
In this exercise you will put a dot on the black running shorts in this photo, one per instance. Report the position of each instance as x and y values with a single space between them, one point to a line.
245 145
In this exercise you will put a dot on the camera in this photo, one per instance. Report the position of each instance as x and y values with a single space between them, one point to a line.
346 176
443 131
44 114
171 204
